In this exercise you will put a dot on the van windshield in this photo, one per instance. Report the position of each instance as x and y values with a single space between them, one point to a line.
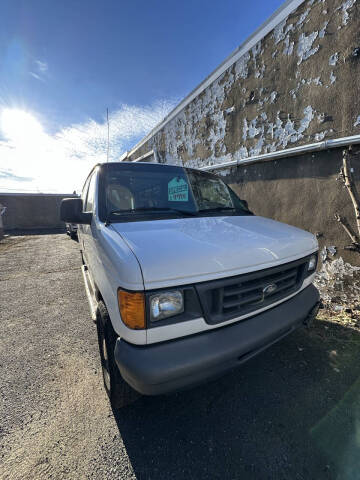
145 190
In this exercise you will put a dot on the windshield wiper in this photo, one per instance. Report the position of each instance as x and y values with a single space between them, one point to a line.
217 209
154 209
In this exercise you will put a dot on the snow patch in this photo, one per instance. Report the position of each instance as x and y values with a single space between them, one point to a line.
338 282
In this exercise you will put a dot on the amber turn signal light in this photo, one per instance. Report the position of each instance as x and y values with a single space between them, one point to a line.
132 309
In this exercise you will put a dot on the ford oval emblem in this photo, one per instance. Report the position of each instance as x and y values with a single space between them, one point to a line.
269 289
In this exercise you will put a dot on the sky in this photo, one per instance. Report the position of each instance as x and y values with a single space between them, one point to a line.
62 64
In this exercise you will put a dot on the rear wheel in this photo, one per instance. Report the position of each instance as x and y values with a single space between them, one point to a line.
119 392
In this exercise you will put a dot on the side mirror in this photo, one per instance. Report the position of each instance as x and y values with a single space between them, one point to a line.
71 211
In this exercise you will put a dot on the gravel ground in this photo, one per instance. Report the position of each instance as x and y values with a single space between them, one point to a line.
293 412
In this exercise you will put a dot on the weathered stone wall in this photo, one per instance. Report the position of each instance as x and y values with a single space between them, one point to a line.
299 84
32 211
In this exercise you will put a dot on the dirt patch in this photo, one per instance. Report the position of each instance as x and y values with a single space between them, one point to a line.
11 242
348 321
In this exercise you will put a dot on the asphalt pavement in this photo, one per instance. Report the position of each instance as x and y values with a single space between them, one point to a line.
293 412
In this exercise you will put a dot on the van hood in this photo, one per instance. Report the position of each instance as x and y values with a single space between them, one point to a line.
189 250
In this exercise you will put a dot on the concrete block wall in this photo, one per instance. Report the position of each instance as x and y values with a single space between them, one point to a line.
303 191
31 211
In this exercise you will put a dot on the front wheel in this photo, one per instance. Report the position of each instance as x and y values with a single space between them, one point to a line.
119 392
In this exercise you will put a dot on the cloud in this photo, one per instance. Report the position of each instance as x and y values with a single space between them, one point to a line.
61 162
35 75
129 122
41 66
40 70
7 174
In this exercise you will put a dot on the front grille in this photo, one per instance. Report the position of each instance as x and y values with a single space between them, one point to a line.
236 296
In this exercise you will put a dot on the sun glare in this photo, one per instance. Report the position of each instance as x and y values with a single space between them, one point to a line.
20 127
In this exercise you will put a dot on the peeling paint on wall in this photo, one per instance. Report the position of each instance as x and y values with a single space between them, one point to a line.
332 77
302 17
241 68
323 30
304 50
287 90
333 59
281 31
345 10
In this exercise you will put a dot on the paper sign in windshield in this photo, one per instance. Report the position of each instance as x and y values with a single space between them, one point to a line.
178 190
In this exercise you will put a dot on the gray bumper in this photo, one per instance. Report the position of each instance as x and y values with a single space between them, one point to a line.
177 364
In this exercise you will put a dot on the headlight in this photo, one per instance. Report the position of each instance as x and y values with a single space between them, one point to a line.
312 262
166 304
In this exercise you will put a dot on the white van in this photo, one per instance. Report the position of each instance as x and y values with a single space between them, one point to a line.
184 281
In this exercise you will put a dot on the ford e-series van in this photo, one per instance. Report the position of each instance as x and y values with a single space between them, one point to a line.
184 282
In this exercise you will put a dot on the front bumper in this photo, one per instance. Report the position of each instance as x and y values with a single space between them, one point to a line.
184 362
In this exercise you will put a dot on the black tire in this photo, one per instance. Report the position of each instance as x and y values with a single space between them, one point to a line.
119 392
73 235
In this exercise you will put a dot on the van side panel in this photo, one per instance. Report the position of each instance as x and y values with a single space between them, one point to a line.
113 265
